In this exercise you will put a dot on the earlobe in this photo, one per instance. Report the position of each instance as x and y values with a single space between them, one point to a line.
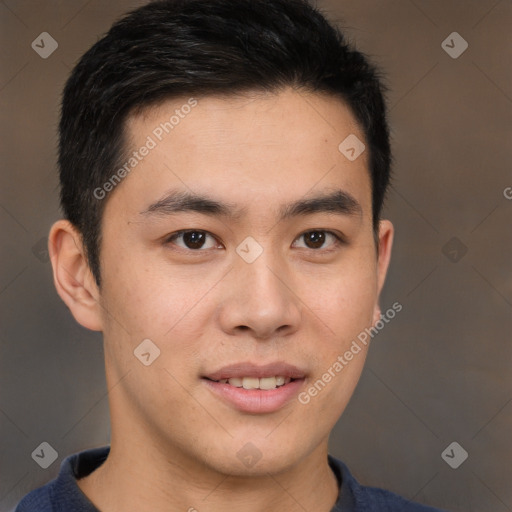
386 232
72 276
377 313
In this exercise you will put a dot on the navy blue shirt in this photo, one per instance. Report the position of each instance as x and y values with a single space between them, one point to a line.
63 494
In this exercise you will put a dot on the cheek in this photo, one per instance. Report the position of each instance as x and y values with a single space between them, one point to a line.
346 311
167 309
149 302
343 299
343 303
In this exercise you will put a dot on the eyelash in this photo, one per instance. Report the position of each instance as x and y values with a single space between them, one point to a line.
339 239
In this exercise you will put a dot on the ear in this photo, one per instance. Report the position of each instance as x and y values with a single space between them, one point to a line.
385 242
72 276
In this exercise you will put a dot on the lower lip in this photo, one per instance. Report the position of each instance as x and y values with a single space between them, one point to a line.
256 401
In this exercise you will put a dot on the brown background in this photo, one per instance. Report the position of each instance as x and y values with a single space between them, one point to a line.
439 372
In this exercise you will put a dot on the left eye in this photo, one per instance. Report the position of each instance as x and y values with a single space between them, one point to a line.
193 240
315 239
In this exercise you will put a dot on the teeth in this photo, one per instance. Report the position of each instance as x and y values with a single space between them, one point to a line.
264 383
251 382
236 382
268 383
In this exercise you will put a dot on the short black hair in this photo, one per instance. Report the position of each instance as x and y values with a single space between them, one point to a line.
173 48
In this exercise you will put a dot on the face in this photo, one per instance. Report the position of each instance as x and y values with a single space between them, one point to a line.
241 244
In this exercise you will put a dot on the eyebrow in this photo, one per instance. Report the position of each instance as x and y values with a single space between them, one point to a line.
338 202
180 201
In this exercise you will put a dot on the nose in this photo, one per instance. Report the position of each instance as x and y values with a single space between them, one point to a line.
259 299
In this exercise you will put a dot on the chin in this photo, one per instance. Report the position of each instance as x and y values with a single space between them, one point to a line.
254 458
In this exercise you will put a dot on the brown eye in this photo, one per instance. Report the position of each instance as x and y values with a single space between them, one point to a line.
193 240
314 239
317 239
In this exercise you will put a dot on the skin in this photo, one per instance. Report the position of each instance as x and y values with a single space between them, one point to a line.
174 443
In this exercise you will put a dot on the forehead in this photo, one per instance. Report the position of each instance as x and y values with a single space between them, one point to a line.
261 147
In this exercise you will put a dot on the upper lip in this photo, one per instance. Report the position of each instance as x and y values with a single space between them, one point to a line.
246 369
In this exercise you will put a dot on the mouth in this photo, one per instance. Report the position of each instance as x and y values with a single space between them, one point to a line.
264 383
254 388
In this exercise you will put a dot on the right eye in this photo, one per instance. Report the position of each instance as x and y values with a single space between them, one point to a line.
193 239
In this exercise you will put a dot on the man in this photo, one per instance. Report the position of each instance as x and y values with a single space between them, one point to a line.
223 165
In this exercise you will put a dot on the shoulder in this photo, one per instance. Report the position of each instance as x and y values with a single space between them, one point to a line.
387 501
356 497
39 499
63 494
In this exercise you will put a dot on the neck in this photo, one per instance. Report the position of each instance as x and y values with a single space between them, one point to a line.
137 476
